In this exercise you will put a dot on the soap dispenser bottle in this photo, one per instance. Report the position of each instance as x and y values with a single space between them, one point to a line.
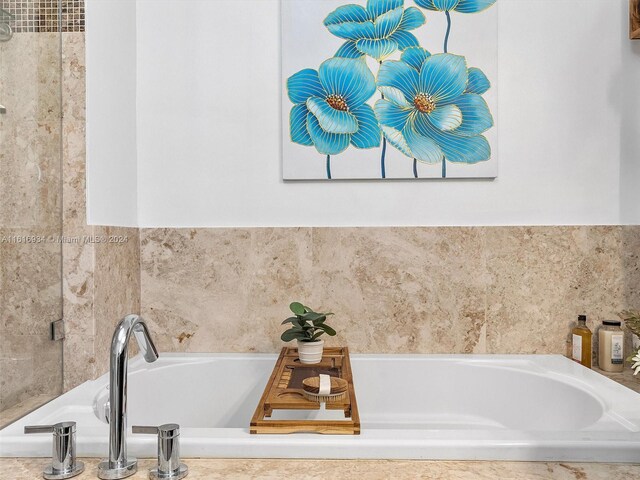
581 342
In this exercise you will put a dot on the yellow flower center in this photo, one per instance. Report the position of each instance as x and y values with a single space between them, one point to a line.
338 102
424 103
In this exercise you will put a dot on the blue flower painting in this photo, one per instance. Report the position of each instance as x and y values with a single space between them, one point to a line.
386 96
329 110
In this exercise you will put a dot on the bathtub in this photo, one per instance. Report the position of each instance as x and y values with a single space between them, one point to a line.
448 407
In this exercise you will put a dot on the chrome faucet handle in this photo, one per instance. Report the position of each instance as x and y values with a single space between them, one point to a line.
169 466
63 459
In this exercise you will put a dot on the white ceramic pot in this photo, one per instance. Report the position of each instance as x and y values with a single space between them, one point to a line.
310 352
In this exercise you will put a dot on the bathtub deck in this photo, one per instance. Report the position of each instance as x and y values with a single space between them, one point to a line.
240 469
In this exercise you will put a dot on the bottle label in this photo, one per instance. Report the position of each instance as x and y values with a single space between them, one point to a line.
577 348
617 349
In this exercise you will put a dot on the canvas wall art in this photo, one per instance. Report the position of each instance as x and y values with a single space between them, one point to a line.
383 89
634 19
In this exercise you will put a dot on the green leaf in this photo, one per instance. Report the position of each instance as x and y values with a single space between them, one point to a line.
317 334
312 316
297 308
291 334
329 331
319 321
290 320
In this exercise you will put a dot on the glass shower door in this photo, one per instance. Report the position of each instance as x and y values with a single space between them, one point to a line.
30 205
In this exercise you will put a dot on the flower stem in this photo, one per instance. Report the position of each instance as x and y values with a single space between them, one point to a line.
384 153
415 168
446 38
446 50
383 170
329 167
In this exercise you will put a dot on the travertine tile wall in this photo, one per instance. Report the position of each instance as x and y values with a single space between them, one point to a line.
30 265
100 280
431 290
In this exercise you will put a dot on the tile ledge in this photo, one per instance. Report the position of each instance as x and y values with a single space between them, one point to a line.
210 469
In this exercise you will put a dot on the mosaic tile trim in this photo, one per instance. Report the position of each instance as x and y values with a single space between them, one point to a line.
39 16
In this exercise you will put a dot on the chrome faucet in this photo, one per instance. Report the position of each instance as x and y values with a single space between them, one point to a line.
118 465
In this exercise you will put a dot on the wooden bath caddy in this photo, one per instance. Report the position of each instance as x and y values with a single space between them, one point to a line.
284 392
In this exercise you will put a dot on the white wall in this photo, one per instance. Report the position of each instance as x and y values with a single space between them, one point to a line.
629 105
112 178
208 125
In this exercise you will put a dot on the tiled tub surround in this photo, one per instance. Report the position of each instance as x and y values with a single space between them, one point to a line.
435 290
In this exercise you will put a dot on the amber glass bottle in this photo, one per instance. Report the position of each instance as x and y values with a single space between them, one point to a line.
581 342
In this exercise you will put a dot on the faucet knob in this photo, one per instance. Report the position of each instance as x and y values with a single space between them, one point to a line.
169 466
63 458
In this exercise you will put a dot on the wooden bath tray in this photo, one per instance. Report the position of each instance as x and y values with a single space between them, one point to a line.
284 392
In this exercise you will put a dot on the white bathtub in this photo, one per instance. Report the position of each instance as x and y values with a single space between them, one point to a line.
463 407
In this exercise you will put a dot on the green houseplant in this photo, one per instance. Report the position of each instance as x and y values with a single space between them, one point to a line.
307 327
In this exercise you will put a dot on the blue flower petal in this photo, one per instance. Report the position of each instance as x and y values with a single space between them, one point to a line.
395 138
457 149
353 31
348 77
375 8
298 125
391 115
415 57
330 119
348 50
405 39
326 143
444 76
347 14
395 96
350 22
303 85
368 134
412 19
388 23
446 117
445 5
476 117
428 4
478 81
401 76
378 49
423 148
474 6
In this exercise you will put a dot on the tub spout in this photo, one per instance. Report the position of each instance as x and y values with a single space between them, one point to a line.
118 465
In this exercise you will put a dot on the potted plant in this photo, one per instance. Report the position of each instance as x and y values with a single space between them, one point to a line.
632 321
307 327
